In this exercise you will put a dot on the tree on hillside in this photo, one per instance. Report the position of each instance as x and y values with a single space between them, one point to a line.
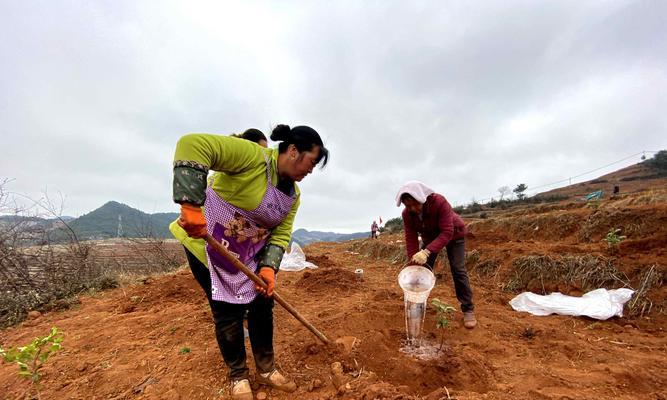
519 189
658 162
393 225
504 191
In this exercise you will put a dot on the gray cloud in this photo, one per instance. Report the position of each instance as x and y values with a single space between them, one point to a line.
465 96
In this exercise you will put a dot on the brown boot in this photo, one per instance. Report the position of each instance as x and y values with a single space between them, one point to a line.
277 381
241 390
469 320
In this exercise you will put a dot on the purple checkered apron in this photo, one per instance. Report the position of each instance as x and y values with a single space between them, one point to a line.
243 233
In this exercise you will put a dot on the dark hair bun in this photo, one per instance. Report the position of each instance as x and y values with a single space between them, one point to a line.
280 133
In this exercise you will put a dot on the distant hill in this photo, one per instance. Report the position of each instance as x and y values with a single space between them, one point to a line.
641 176
103 222
304 237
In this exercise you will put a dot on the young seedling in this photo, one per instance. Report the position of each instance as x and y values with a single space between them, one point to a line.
184 350
443 314
31 357
613 238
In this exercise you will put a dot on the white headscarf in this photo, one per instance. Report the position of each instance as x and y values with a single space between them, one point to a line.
416 189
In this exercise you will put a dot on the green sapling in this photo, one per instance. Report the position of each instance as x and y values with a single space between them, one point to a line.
31 357
443 314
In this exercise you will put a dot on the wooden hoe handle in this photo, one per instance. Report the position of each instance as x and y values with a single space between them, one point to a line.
257 280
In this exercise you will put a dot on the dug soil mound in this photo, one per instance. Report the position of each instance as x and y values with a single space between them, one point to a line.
155 340
328 279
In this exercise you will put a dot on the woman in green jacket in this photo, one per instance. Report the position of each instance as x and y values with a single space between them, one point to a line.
250 208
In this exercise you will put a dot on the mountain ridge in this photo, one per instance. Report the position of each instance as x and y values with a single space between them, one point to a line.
102 223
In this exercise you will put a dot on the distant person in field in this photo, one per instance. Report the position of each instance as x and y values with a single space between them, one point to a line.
374 230
250 207
429 214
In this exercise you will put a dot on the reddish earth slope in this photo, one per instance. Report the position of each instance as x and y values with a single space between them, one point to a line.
629 180
128 343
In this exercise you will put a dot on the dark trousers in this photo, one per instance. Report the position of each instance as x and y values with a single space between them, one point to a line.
456 254
228 319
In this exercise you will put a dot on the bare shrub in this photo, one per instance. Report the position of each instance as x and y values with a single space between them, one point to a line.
157 255
38 274
38 277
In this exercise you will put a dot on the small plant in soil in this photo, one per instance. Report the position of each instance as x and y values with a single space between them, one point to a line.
31 357
443 314
529 333
184 350
614 237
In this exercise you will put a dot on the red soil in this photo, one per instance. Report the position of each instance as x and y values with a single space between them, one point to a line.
125 343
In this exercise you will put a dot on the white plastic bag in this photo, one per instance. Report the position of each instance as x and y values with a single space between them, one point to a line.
599 303
295 260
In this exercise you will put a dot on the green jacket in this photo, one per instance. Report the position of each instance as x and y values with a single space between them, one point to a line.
240 179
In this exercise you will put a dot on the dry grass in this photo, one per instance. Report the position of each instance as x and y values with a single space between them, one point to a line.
482 267
649 197
486 267
650 278
585 272
392 252
472 258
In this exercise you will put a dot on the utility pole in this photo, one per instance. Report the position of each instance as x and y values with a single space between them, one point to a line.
119 233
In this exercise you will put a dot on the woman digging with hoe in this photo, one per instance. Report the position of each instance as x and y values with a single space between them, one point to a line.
250 207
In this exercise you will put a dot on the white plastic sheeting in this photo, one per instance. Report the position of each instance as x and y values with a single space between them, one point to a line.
295 260
599 303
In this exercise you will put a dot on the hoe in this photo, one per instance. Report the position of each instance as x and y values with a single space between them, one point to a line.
238 264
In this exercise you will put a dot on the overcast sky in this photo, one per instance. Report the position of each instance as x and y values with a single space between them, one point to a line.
464 96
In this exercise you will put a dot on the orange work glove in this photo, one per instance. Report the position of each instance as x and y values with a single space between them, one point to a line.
268 275
192 220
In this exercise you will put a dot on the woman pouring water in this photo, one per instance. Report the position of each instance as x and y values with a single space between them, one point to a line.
429 214
250 207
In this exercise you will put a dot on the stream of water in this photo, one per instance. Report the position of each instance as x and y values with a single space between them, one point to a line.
416 283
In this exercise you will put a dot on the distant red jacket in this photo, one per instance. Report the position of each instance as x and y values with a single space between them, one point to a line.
439 224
